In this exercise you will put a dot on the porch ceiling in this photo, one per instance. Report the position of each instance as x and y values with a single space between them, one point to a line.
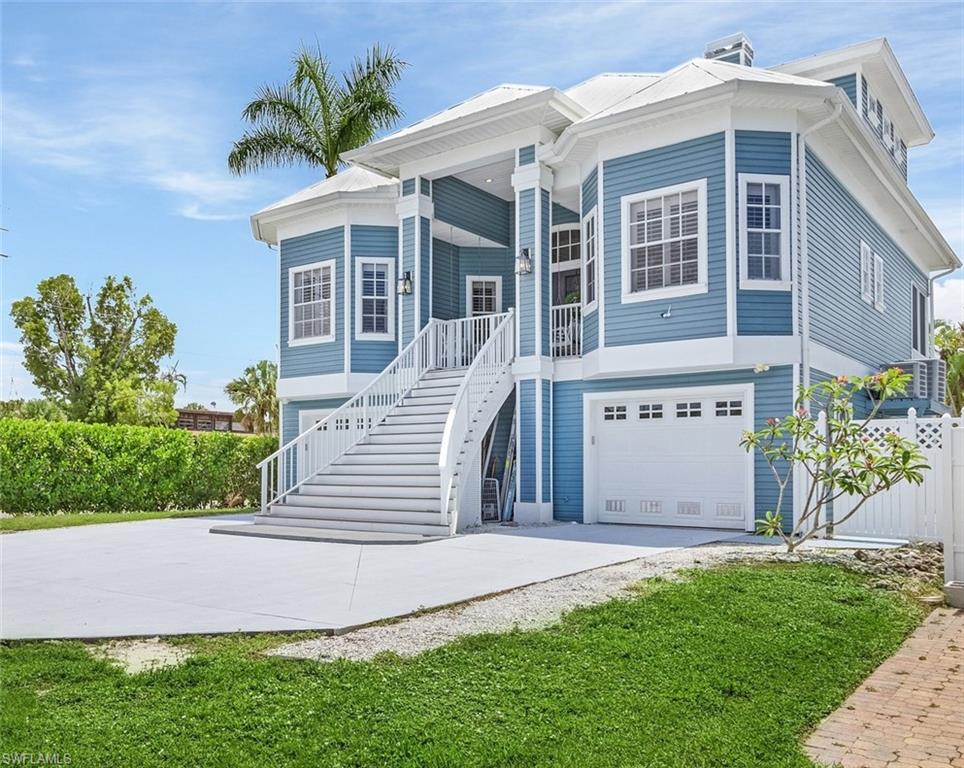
494 178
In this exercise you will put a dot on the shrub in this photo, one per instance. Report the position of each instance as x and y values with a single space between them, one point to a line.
48 467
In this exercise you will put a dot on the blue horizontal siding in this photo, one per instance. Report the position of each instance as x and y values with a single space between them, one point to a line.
527 283
485 262
589 192
408 187
369 356
445 280
527 154
849 85
773 396
839 317
590 321
762 313
698 316
527 440
313 359
424 285
562 215
467 207
407 324
290 413
546 440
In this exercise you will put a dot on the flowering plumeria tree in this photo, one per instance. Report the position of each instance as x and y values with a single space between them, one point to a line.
835 457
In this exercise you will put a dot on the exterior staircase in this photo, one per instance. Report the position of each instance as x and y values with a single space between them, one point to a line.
398 462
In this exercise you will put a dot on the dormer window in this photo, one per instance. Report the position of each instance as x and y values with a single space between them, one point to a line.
882 126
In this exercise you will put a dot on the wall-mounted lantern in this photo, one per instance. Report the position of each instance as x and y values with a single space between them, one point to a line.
523 264
405 284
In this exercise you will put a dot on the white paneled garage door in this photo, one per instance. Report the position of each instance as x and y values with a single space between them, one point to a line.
672 459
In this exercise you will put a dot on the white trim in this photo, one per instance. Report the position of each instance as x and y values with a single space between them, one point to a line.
794 230
702 284
537 387
360 335
312 416
879 304
729 152
830 361
333 306
593 305
589 399
469 279
322 386
746 283
600 257
538 268
349 265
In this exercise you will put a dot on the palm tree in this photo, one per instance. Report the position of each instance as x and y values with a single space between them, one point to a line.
255 395
315 117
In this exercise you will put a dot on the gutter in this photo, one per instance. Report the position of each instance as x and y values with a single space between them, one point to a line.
804 252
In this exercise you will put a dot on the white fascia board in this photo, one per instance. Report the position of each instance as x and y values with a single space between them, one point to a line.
718 352
453 161
836 363
265 226
323 386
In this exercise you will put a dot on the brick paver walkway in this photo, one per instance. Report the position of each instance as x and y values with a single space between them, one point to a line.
910 712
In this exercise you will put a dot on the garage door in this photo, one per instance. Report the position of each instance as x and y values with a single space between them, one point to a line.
671 460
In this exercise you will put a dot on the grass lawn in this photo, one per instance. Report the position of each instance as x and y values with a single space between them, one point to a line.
728 668
38 522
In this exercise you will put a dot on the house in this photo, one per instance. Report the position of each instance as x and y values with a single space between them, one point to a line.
568 304
203 420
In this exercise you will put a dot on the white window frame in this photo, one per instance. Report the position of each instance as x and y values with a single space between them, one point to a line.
656 294
565 266
390 298
587 263
758 284
866 272
923 321
292 271
469 279
878 276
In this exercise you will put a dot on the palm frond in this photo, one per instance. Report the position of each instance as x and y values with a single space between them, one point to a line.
265 146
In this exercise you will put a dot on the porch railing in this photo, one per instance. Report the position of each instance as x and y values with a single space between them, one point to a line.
440 344
490 367
566 330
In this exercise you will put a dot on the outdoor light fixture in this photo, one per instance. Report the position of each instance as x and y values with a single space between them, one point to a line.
488 181
523 264
405 284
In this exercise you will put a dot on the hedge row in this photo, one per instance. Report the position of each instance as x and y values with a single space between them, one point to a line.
48 467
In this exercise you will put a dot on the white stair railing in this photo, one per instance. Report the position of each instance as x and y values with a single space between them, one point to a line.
491 362
320 445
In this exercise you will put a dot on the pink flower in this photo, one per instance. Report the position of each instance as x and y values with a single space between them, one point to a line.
802 412
772 422
842 379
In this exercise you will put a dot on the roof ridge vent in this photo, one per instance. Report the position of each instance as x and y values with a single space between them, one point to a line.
733 49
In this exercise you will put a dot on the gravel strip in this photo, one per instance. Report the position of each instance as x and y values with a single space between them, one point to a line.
531 607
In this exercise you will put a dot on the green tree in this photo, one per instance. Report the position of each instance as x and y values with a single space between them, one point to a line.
98 357
316 117
255 394
949 341
836 458
40 409
195 406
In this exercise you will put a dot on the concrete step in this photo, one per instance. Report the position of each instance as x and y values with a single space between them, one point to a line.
357 490
395 449
329 535
427 398
346 508
389 458
283 514
403 417
391 428
404 439
419 407
388 470
362 479
444 373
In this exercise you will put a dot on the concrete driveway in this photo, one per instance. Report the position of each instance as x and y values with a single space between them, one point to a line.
174 577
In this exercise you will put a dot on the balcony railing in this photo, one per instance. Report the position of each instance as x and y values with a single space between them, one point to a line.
566 330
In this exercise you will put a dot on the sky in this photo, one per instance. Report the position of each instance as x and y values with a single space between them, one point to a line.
117 120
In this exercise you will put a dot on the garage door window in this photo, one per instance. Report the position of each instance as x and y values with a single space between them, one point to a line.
729 407
651 411
614 413
689 410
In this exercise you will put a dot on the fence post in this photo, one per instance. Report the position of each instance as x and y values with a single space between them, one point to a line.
950 530
907 493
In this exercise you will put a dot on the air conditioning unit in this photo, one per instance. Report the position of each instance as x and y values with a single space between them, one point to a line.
937 379
918 388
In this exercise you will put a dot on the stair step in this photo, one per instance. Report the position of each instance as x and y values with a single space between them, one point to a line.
404 439
364 507
326 535
386 428
389 458
394 449
355 490
428 397
407 408
444 373
401 416
282 514
369 480
429 470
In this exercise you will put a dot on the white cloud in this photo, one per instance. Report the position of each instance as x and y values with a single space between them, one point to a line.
15 382
151 126
949 298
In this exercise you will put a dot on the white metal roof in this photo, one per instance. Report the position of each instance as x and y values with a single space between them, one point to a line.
352 179
604 90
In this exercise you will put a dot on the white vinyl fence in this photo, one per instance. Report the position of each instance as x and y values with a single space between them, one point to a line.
931 511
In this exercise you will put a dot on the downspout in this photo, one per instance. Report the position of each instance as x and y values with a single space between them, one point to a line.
804 253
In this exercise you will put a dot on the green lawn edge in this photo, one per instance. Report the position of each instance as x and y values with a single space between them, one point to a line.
16 523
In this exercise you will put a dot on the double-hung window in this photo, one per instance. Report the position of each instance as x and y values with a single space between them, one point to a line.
374 303
589 249
764 232
920 329
871 276
664 242
311 298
